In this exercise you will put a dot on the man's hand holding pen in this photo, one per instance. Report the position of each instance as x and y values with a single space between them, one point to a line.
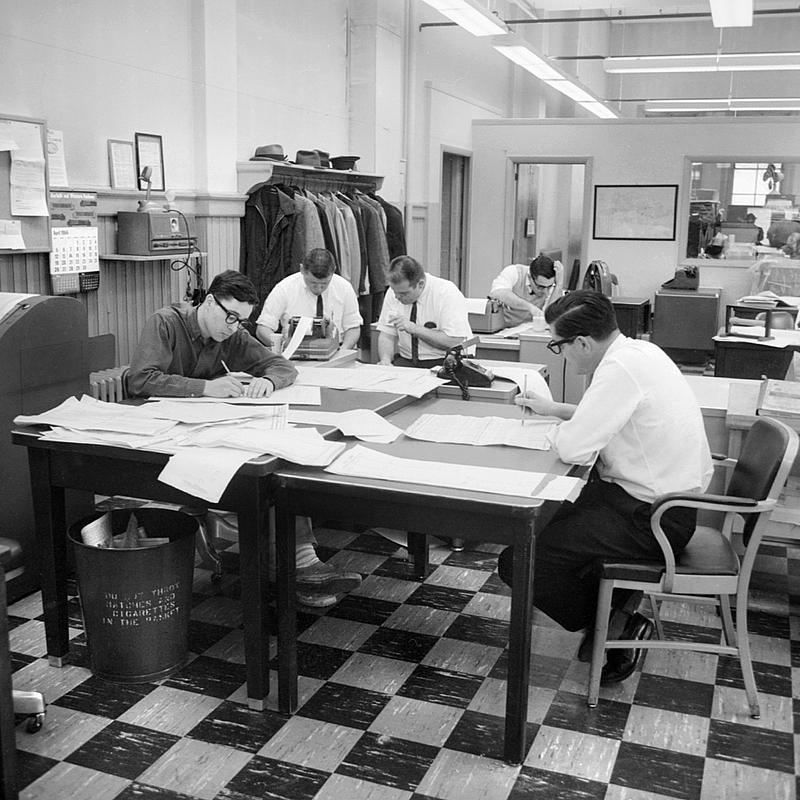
535 403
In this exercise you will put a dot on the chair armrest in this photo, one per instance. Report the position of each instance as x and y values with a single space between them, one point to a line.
709 502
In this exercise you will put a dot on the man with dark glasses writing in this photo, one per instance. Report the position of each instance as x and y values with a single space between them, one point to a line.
640 425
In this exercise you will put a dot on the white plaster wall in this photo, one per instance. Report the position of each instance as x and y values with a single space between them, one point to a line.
620 152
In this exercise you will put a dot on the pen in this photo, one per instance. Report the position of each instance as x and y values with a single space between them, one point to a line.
524 394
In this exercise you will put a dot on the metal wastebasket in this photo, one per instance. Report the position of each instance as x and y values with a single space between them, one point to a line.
136 601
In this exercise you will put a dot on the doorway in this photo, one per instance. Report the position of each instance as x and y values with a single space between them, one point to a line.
548 212
455 194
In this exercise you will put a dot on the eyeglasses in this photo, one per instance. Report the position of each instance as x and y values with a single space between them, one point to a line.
555 346
543 288
230 316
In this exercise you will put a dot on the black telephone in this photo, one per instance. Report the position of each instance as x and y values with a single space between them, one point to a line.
464 372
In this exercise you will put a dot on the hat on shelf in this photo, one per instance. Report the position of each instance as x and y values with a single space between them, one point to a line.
344 162
324 159
307 158
269 152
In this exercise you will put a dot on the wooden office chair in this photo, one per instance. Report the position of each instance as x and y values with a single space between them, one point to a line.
709 569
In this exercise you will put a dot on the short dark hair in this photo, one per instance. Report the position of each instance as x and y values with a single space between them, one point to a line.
319 262
543 265
405 268
750 217
582 313
235 285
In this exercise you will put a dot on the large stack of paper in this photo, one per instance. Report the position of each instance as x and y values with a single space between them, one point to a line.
779 399
210 441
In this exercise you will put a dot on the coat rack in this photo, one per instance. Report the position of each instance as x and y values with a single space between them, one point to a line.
252 173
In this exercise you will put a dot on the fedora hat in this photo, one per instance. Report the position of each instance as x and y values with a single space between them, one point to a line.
344 162
307 158
269 152
324 159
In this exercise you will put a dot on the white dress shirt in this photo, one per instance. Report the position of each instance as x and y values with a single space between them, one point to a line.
641 419
292 298
440 303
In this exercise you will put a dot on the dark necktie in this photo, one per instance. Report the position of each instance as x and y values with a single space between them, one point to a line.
414 340
319 306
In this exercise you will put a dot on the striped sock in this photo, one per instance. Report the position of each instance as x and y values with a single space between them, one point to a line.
306 555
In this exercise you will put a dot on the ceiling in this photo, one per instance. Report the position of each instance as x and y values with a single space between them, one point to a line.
580 48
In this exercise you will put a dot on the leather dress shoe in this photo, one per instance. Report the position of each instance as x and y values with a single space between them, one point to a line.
621 664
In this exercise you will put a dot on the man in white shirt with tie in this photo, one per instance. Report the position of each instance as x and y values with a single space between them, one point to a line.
314 291
640 425
422 317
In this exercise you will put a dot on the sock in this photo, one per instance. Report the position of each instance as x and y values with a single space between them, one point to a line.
306 555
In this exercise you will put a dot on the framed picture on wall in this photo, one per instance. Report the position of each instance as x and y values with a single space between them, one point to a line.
642 213
150 153
121 164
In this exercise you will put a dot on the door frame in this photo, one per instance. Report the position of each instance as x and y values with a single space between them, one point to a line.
446 149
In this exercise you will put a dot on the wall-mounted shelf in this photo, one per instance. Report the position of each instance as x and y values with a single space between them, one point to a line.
251 173
165 257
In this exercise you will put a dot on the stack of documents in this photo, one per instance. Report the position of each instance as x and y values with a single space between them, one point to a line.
210 441
457 429
371 378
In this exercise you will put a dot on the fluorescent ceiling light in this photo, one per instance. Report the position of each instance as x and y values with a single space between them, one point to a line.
471 16
724 104
732 13
520 52
711 62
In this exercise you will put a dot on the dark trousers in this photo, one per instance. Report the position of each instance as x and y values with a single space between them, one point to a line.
604 522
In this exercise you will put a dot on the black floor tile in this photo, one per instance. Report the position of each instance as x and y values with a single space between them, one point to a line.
388 761
211 676
441 686
683 632
123 750
496 585
344 705
31 766
570 711
761 623
440 597
401 568
673 694
276 780
235 725
483 735
15 622
364 609
20 660
317 660
96 696
373 543
651 769
470 628
203 635
141 791
770 678
747 744
397 643
533 783
547 672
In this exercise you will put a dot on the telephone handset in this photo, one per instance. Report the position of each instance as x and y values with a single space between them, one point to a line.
463 371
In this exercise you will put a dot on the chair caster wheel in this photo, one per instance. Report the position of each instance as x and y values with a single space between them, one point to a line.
34 723
456 545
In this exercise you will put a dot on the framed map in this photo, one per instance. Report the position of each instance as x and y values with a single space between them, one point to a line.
645 213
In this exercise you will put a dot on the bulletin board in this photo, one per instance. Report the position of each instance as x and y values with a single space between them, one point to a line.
35 229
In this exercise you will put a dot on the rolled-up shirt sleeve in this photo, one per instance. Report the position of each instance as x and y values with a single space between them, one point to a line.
249 355
505 280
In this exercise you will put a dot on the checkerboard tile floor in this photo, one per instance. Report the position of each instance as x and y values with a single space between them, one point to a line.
402 691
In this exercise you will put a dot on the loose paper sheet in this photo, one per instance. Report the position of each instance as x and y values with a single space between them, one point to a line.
11 235
476 305
527 379
269 416
372 378
292 395
303 328
363 462
528 433
361 423
203 472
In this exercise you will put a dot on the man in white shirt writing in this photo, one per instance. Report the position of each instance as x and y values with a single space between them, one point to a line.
640 424
422 317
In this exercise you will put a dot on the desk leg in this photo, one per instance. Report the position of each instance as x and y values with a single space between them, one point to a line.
254 521
420 553
8 742
285 553
50 521
519 646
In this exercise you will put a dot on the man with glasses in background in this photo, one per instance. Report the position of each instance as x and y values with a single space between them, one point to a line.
640 425
525 292
189 352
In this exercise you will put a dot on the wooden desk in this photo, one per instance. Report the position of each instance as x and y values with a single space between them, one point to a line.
57 466
429 509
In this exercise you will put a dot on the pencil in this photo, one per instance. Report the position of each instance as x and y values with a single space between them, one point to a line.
225 366
524 394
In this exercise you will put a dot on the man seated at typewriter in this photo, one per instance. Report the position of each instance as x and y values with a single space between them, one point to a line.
422 317
315 291
525 292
